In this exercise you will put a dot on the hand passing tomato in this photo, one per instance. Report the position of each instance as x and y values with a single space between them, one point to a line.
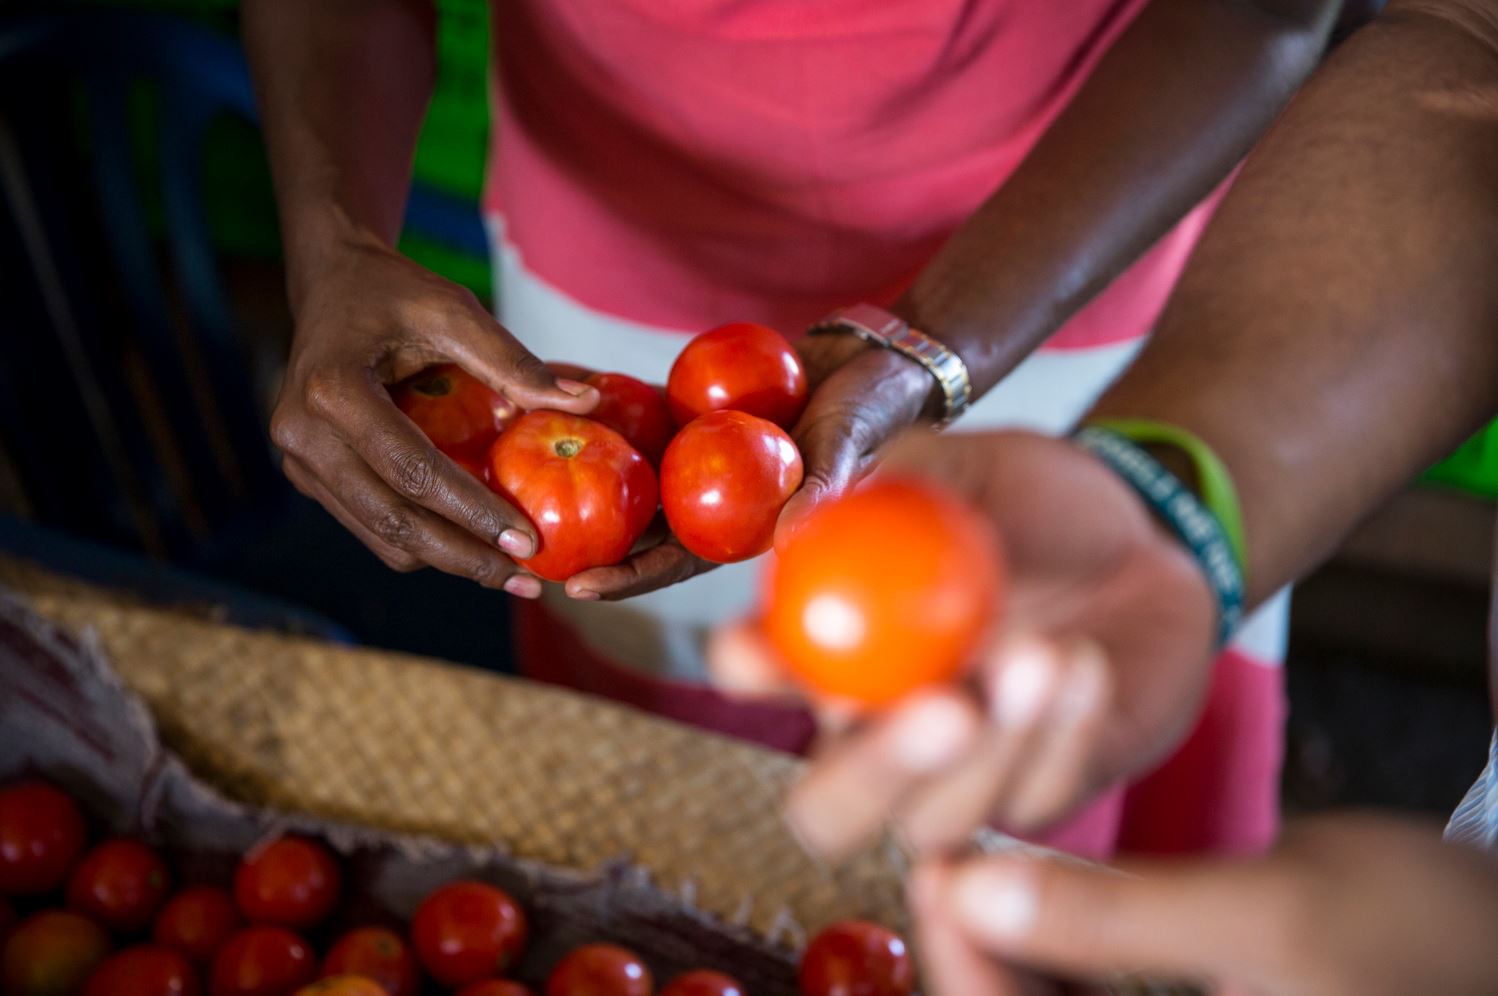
882 591
724 479
120 884
856 958
467 931
459 413
144 970
740 366
41 835
600 970
588 492
291 882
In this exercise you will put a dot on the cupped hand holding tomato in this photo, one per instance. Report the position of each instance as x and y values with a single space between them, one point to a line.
120 884
1096 669
588 492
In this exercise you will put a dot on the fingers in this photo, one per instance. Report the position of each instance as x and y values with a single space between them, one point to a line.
951 964
404 460
1182 920
303 480
374 511
741 662
846 797
487 350
659 566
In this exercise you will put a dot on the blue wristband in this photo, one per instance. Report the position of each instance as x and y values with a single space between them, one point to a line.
1182 511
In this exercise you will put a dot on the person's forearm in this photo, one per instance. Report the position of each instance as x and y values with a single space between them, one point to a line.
343 86
1169 110
1337 329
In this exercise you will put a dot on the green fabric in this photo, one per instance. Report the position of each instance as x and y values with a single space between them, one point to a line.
1216 486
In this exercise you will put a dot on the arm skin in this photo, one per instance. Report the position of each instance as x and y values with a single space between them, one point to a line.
343 87
1174 104
1335 332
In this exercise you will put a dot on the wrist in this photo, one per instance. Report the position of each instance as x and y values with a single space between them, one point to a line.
319 240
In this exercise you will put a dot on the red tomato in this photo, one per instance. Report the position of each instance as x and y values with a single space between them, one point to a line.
466 931
459 413
197 922
495 987
51 954
262 961
292 881
742 366
883 590
144 970
703 983
120 884
342 985
477 466
41 835
588 492
376 954
854 958
724 479
635 410
600 970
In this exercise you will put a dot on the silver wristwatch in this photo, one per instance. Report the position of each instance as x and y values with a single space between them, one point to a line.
892 332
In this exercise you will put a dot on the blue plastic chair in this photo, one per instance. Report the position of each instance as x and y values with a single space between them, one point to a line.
96 320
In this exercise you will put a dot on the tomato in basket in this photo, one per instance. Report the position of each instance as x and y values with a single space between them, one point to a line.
857 958
41 835
290 881
51 952
467 931
495 987
376 954
197 922
600 970
144 970
342 985
120 884
262 961
703 983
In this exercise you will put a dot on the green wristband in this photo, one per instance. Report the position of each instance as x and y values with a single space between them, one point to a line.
1217 491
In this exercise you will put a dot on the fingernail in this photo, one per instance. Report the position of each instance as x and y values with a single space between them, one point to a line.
995 902
1023 686
523 586
576 388
930 734
516 543
584 595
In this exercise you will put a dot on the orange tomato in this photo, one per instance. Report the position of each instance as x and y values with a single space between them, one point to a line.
882 591
342 985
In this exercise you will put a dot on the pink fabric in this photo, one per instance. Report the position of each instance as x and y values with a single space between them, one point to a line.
1219 793
686 162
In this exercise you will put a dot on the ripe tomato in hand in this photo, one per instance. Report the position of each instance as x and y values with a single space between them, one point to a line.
120 884
51 953
635 410
855 958
41 835
376 954
588 492
883 590
262 961
342 985
197 922
742 366
466 931
495 987
291 881
144 970
724 480
459 413
703 983
600 970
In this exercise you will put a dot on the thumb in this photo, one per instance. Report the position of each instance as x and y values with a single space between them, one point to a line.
487 350
1195 920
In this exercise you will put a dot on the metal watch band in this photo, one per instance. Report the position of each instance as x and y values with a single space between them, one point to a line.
876 325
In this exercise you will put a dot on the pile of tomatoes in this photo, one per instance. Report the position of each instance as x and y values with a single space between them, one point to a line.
711 450
109 920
